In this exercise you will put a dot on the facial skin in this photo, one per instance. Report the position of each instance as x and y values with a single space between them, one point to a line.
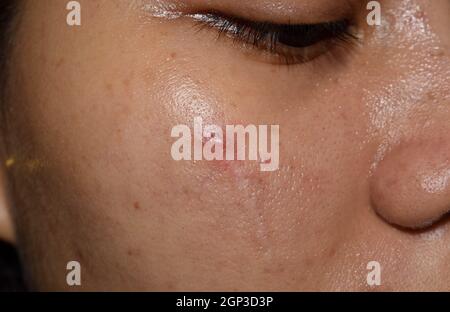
364 150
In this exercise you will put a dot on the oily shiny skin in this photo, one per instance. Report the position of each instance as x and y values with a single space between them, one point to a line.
364 154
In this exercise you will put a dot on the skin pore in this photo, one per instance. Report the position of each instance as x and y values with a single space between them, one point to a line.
364 148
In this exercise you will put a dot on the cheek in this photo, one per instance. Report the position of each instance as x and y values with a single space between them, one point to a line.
233 200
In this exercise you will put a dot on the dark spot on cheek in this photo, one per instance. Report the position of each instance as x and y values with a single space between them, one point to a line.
60 62
133 252
137 206
331 252
173 55
430 96
109 87
186 191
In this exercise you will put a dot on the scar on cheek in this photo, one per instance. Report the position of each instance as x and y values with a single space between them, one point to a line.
230 143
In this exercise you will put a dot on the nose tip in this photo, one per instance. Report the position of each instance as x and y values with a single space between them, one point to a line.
411 185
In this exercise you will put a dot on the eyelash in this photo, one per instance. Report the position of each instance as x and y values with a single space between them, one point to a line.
273 39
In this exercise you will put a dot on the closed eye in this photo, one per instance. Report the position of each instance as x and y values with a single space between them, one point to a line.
290 43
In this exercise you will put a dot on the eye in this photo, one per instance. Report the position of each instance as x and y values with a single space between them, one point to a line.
283 43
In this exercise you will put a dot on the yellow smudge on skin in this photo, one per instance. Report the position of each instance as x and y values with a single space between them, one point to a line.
29 165
33 164
10 162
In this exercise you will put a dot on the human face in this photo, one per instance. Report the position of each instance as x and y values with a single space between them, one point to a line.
364 146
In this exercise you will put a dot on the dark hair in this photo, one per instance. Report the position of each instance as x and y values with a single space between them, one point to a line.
10 272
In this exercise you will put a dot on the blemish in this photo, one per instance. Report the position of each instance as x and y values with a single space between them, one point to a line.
133 252
430 96
185 191
331 252
60 62
137 205
109 87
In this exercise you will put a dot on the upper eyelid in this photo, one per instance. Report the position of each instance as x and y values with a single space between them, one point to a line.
256 30
308 11
215 17
269 42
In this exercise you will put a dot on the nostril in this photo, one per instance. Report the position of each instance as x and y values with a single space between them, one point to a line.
410 187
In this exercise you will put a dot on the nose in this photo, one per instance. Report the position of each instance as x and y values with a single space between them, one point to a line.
411 185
